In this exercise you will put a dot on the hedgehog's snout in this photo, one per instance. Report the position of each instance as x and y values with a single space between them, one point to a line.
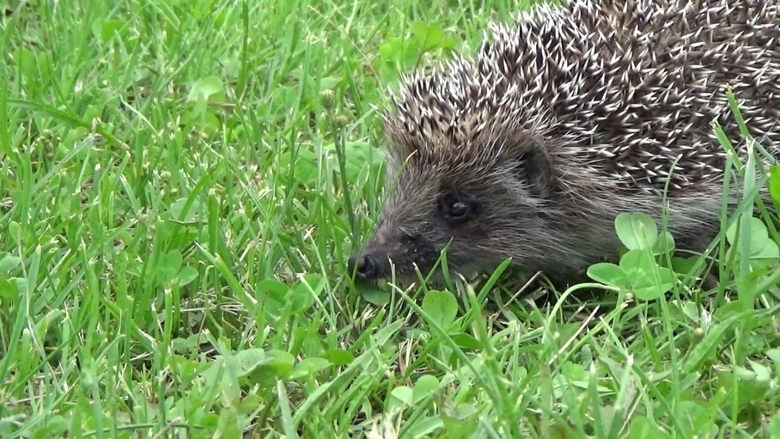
368 265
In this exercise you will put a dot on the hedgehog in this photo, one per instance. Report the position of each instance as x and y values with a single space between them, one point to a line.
568 116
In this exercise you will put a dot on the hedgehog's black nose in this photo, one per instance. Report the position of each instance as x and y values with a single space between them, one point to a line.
365 265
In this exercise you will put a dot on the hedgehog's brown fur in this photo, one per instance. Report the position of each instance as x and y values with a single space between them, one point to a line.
569 117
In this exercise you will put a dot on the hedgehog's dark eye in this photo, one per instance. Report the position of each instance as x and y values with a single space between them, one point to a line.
457 209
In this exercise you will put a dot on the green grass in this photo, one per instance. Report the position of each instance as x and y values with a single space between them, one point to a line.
175 219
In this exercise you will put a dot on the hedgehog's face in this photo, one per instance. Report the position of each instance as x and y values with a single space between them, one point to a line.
482 211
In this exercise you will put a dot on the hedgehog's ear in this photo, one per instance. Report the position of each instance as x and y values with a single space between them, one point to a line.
535 168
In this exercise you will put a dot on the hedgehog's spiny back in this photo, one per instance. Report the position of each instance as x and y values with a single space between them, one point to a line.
628 87
649 89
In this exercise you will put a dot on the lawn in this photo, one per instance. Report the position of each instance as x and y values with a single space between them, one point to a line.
181 185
